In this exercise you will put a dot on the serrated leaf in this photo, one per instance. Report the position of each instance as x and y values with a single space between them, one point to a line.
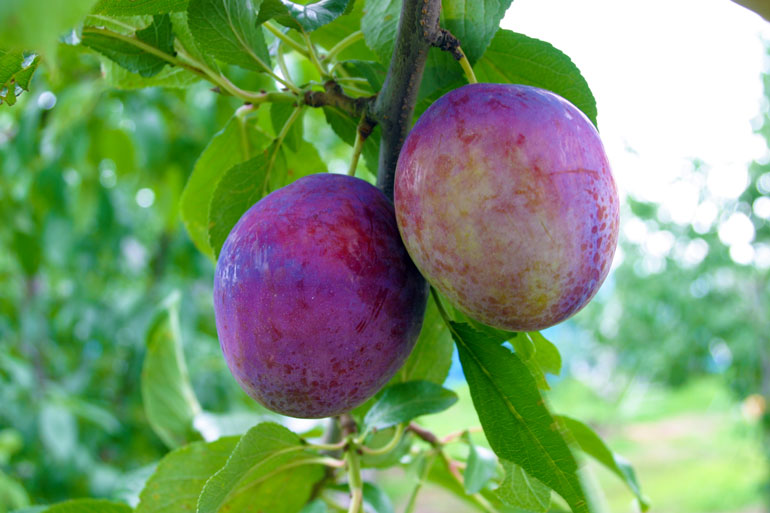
592 444
474 23
431 357
405 401
481 467
308 16
514 416
238 141
376 500
137 7
186 39
523 491
269 470
169 401
379 25
87 506
177 482
246 183
159 35
228 30
518 59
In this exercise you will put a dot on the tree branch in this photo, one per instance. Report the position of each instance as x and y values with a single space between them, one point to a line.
417 29
334 96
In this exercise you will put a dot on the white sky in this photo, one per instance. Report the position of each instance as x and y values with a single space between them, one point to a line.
673 80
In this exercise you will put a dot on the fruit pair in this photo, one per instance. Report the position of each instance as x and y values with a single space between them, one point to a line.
505 201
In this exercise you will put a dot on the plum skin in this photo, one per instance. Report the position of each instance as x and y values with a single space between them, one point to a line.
316 300
506 202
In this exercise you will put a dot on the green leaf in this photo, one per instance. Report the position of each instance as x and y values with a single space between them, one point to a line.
238 141
137 7
329 35
405 401
88 506
376 500
228 30
431 357
185 37
523 491
279 114
391 458
474 23
159 35
309 16
591 444
518 59
171 77
16 72
242 186
546 353
379 25
37 25
177 482
167 395
512 412
246 183
317 506
372 71
345 127
269 470
482 467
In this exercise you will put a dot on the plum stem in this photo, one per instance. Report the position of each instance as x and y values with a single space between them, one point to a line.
394 107
362 132
469 74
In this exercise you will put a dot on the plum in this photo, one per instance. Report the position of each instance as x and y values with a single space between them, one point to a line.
505 201
317 302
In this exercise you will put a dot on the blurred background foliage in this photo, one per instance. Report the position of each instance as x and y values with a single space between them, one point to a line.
671 361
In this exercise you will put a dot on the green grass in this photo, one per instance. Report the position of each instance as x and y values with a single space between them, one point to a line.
692 449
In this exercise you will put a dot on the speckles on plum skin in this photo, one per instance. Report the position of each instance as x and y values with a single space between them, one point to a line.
324 287
477 218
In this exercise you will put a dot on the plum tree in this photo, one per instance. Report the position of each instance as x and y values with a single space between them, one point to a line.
505 201
317 303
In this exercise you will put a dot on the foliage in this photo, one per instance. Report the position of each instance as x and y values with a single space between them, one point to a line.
100 269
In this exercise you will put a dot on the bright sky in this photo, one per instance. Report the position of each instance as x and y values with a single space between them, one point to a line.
674 81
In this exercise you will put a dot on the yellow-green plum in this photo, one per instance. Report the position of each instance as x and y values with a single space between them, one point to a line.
505 201
317 302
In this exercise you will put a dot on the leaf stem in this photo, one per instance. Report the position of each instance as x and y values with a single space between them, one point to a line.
355 483
278 142
286 39
392 444
343 44
314 57
431 456
282 63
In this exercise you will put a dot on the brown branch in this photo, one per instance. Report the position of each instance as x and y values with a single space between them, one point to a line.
334 96
423 433
394 107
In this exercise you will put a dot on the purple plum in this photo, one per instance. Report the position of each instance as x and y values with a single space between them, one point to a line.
317 302
505 201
